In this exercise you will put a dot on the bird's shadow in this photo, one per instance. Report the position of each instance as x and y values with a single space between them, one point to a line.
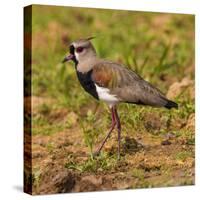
131 145
128 146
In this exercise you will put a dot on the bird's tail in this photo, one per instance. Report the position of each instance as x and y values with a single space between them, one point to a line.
171 104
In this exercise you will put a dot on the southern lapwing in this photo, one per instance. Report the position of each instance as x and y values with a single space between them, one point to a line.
113 83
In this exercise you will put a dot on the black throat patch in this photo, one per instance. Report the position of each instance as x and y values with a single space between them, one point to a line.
87 83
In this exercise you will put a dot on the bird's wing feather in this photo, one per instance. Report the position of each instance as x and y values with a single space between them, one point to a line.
126 84
111 75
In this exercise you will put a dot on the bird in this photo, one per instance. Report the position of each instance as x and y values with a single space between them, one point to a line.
112 83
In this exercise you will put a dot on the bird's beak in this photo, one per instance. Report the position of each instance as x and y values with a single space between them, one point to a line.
68 58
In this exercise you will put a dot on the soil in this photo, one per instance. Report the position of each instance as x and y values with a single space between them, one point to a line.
178 88
147 160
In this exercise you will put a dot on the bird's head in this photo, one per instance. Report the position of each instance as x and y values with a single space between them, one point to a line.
80 50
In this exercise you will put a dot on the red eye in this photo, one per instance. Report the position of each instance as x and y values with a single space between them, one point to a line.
79 49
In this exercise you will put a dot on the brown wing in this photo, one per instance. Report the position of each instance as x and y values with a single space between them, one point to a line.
103 76
112 75
126 84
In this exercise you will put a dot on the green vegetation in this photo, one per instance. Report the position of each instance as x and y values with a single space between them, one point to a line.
184 155
100 164
138 173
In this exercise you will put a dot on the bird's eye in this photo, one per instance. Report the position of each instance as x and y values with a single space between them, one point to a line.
79 49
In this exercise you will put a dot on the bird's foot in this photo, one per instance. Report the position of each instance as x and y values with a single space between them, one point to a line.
96 153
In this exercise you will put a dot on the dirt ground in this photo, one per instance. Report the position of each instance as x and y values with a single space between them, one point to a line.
61 161
68 146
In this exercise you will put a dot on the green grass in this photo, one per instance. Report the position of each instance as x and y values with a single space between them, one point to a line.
138 173
104 162
182 156
36 177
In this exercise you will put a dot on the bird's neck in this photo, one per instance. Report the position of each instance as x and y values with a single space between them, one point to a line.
86 65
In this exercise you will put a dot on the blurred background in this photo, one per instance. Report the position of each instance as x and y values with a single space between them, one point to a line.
67 122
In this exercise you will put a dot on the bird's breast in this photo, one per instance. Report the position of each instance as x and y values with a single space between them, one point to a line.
106 96
87 83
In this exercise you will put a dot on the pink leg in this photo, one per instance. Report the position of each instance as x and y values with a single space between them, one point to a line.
110 131
118 130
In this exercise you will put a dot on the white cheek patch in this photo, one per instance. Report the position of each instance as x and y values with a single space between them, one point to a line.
76 55
104 94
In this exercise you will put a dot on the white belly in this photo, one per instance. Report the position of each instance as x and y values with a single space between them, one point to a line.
104 95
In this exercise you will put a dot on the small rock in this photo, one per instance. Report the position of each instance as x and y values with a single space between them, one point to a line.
57 181
177 87
170 135
89 183
165 142
93 179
